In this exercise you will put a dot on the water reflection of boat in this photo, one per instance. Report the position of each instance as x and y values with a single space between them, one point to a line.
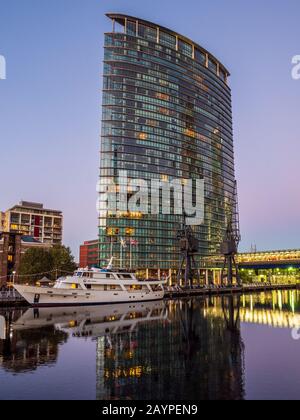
92 321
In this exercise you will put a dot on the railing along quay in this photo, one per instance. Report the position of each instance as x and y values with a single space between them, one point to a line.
11 298
215 290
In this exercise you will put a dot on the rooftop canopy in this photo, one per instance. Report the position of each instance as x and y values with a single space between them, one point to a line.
122 20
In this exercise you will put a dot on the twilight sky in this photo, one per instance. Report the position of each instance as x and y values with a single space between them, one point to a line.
50 104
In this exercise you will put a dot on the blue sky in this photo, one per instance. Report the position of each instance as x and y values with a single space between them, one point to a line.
50 104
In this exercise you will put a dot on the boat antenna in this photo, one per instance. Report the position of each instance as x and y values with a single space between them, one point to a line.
110 264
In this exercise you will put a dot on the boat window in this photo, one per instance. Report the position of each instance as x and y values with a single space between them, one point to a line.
126 276
89 286
136 287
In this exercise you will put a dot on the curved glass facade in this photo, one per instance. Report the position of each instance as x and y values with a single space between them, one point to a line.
166 115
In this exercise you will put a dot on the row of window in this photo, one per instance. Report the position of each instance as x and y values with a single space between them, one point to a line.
169 71
123 45
169 108
206 100
129 138
162 223
157 124
161 69
137 29
193 86
113 149
211 189
139 163
168 133
188 127
197 164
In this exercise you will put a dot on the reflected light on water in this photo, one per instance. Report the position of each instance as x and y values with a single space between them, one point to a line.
177 350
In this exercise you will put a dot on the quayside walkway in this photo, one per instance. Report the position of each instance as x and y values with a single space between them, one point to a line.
218 290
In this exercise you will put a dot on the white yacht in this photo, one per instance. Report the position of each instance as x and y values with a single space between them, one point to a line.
96 286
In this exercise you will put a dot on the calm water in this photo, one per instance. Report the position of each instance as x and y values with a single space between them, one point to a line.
237 347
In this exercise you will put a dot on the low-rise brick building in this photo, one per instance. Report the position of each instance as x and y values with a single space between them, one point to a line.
89 254
13 246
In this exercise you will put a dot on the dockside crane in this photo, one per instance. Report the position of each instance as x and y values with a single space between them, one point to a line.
189 247
229 246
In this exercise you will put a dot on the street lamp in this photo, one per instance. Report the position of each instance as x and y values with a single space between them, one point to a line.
14 274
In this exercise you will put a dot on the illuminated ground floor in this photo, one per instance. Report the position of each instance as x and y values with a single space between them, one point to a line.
274 276
211 276
276 267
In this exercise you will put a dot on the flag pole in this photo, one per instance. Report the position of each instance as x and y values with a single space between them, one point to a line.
121 252
130 255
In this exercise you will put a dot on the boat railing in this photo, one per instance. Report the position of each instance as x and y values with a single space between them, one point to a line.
10 295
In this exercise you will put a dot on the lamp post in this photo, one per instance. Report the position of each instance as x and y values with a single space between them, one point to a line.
14 275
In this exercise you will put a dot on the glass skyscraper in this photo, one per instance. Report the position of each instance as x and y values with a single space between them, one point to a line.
166 115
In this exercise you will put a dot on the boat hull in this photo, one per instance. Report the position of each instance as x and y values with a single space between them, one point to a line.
46 297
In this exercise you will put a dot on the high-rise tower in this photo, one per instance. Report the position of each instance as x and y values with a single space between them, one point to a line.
166 115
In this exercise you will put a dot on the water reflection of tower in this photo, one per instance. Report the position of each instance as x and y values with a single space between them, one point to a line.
214 352
231 310
124 355
194 356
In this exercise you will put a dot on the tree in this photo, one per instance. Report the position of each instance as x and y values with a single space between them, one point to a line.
63 260
34 263
52 263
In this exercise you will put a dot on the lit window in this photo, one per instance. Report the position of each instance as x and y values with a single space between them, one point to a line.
164 111
152 123
143 136
190 133
162 96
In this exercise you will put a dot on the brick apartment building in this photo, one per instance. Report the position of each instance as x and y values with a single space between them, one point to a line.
89 254
32 219
24 226
12 247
